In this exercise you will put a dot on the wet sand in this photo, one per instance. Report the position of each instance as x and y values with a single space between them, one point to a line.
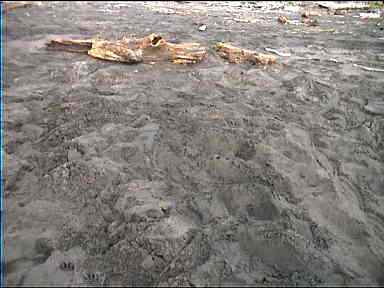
211 174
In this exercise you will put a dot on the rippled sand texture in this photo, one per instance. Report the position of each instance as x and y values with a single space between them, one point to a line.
210 174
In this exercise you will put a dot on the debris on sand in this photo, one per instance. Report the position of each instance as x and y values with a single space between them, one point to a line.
151 48
238 55
183 53
368 68
107 50
283 19
307 14
202 28
166 206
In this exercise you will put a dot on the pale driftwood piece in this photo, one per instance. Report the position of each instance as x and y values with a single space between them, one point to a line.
238 55
152 48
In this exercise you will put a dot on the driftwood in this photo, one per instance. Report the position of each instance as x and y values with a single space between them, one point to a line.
152 48
238 55
185 53
70 45
115 51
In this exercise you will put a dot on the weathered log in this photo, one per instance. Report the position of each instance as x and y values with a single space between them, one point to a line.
152 48
238 55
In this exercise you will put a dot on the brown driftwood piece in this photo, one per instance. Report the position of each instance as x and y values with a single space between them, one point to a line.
70 45
152 48
155 49
283 19
238 55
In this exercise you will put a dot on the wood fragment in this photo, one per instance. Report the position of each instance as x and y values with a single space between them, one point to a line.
185 53
238 55
70 45
283 20
115 51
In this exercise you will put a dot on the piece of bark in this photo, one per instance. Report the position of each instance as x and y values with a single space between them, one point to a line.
238 55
